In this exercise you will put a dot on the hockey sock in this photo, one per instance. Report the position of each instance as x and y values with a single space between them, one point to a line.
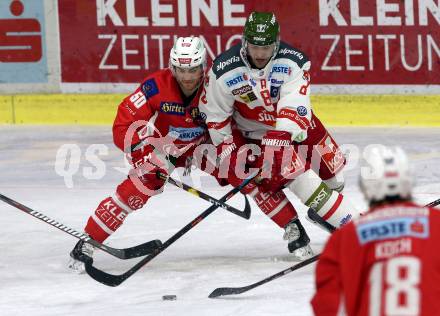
275 205
112 211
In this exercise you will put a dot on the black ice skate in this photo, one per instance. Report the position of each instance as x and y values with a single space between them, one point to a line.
81 253
298 240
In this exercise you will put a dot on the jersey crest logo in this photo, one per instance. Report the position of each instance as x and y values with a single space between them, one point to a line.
149 88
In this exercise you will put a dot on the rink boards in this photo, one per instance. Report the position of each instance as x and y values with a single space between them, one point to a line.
334 110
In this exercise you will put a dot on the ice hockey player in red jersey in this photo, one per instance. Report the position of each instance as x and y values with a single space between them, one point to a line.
258 92
385 262
157 126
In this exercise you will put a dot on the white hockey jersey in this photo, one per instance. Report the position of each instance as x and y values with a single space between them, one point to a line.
276 97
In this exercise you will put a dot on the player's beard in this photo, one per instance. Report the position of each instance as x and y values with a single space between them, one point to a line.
189 86
258 63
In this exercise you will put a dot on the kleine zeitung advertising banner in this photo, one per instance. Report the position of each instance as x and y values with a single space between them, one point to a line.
349 42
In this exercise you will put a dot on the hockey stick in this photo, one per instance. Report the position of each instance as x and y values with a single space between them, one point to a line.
246 213
222 291
319 221
433 203
115 280
125 253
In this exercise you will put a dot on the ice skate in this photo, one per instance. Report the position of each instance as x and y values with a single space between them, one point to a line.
81 253
298 240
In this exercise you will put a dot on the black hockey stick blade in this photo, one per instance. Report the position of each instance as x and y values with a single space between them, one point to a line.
247 208
107 278
115 280
223 291
246 213
318 220
125 253
131 252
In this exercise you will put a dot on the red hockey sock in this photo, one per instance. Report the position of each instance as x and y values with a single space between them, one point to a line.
112 211
276 206
109 215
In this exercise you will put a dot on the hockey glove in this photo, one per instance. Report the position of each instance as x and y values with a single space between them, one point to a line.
153 156
279 161
235 160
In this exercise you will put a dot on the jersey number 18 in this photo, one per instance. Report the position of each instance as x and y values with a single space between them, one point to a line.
400 278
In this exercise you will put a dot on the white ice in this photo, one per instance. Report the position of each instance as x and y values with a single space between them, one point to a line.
223 250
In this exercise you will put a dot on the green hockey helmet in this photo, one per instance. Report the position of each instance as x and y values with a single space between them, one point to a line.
261 28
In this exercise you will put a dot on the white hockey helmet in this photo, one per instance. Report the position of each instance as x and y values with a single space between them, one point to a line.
385 173
188 52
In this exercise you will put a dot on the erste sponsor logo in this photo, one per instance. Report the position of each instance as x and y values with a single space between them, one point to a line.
284 69
235 80
393 228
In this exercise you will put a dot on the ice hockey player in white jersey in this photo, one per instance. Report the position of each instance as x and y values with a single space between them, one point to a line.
258 92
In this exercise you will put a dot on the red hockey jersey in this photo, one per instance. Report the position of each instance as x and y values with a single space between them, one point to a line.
157 108
384 263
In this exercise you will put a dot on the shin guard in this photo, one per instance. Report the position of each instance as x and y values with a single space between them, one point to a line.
330 205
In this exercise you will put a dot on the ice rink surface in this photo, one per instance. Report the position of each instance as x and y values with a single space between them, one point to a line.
223 250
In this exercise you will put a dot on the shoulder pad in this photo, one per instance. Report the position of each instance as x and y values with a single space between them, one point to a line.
289 52
227 61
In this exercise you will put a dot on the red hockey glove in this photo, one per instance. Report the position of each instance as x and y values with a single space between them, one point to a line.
147 166
234 160
156 155
279 161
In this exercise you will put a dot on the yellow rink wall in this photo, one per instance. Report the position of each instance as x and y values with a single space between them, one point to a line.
336 110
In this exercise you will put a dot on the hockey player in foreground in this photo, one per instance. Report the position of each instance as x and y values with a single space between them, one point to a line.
158 127
258 92
386 262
